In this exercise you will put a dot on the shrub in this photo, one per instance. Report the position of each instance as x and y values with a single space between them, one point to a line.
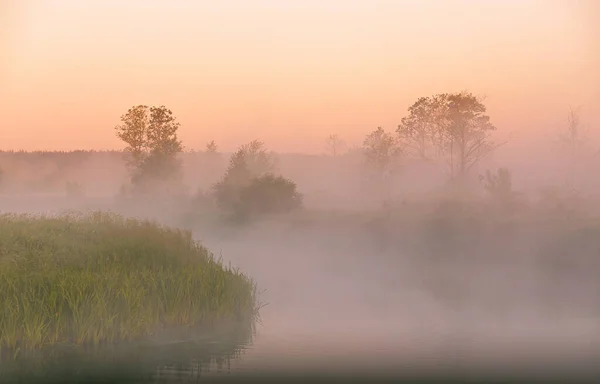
268 194
249 188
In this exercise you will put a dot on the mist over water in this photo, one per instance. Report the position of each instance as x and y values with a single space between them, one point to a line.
353 285
334 306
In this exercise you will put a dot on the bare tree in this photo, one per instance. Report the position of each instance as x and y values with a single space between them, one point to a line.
574 136
573 139
334 144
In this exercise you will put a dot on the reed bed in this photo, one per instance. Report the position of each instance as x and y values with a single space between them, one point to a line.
102 278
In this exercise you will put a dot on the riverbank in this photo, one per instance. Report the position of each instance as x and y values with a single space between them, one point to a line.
99 278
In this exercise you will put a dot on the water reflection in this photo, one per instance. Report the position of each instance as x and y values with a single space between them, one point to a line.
179 356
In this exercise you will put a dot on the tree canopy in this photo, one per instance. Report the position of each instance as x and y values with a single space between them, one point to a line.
152 143
453 126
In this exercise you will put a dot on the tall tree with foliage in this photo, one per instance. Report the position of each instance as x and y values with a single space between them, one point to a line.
422 132
468 132
152 145
454 126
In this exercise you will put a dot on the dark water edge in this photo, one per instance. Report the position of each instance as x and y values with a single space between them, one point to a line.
284 377
180 355
204 356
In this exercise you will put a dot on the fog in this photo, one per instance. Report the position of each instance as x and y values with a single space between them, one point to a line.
350 278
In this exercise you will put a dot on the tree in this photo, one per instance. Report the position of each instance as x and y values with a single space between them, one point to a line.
152 144
451 125
250 161
422 131
212 154
133 131
258 160
573 136
573 140
468 132
211 147
334 144
381 151
249 186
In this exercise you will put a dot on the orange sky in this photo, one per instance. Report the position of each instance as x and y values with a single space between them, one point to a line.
287 72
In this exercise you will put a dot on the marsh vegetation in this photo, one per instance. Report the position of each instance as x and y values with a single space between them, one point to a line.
100 278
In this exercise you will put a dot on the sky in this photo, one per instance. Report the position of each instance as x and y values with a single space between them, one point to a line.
288 72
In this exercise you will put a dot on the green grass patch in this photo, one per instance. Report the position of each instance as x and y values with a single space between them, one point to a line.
101 278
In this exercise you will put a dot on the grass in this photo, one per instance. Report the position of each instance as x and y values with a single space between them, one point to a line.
101 278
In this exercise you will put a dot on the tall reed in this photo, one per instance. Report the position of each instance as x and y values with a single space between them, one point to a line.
97 278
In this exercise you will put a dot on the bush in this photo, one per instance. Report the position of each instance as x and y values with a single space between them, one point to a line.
268 194
250 189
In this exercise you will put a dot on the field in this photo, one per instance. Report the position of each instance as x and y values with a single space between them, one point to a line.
100 278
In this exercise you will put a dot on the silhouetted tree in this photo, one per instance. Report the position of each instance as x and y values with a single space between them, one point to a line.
381 150
134 131
573 136
468 132
250 161
334 144
450 125
258 160
152 144
211 147
422 132
249 186
213 156
573 139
